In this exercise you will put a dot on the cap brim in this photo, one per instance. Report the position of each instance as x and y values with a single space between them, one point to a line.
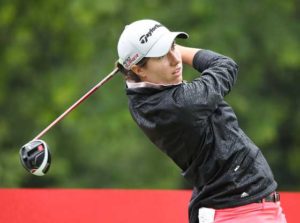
163 45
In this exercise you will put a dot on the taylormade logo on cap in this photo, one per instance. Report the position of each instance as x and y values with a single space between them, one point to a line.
144 38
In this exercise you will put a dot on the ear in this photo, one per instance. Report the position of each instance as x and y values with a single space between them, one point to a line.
140 71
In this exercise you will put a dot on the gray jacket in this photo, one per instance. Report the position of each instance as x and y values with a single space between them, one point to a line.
198 130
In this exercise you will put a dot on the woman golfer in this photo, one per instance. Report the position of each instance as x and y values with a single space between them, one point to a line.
192 123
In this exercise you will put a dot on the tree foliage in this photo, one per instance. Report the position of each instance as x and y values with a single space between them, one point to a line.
52 52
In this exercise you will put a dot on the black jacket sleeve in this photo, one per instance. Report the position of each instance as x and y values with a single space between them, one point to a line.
217 70
219 74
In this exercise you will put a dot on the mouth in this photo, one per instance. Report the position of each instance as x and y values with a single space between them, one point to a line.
177 71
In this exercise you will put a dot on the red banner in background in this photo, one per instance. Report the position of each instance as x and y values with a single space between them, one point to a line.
107 206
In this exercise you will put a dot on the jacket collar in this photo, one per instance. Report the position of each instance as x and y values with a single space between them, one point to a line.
131 85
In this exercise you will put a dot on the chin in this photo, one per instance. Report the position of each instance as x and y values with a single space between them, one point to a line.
178 81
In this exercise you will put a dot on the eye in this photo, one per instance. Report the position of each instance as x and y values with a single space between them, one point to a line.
173 46
171 49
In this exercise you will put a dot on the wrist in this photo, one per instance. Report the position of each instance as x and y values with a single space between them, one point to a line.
187 54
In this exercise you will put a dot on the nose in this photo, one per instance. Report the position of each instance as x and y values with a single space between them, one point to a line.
173 58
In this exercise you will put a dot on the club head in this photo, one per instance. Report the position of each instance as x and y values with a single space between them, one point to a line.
35 157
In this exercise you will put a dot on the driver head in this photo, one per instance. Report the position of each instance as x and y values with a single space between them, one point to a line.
35 157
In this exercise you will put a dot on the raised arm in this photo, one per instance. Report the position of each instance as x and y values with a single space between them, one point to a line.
187 54
218 74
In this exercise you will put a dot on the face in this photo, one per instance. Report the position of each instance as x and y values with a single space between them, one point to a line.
166 69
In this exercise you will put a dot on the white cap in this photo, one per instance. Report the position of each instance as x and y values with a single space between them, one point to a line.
145 38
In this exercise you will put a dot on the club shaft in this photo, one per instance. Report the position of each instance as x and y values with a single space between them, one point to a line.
78 102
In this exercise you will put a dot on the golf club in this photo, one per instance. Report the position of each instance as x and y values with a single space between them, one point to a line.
35 155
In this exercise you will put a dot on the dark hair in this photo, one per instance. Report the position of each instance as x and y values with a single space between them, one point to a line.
129 74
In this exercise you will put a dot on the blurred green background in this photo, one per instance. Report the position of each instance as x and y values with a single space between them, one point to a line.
52 52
